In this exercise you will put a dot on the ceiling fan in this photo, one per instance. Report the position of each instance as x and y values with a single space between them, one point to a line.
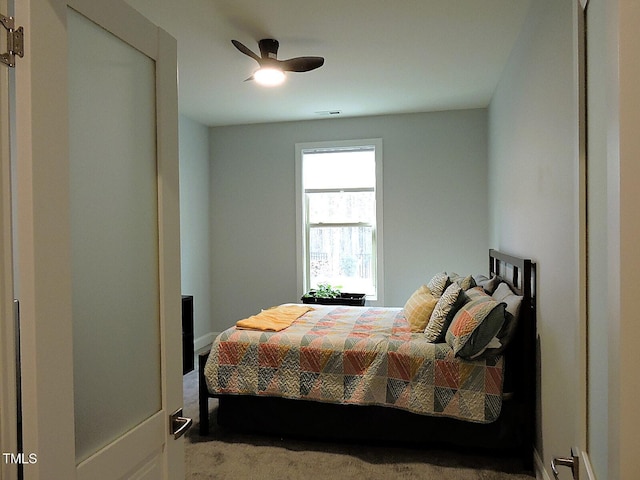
271 71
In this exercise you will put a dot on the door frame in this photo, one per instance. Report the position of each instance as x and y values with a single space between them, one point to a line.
583 432
582 411
43 230
581 423
8 370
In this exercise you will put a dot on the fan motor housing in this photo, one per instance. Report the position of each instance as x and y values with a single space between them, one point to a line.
268 48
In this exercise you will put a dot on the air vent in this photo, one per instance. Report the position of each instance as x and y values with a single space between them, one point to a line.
329 113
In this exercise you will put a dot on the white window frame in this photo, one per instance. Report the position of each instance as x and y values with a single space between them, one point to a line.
301 212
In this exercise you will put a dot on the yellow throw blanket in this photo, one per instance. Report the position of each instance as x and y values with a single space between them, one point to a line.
274 319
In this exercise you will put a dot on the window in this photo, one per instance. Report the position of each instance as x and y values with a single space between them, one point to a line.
340 216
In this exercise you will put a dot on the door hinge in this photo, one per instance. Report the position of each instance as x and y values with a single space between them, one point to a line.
15 41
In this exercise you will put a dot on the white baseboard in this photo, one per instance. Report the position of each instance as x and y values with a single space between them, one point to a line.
540 470
204 341
586 467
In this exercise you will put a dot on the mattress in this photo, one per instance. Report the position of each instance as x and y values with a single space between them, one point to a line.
356 355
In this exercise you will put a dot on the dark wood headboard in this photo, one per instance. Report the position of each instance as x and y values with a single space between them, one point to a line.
520 356
519 273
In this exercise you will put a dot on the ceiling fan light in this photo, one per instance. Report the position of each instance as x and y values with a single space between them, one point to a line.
269 76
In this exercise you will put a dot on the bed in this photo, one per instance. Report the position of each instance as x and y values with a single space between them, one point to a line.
361 374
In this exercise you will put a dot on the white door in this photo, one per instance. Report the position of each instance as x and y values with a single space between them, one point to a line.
98 270
8 392
613 100
573 463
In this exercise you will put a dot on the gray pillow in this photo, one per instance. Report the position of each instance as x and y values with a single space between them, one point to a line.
489 285
465 282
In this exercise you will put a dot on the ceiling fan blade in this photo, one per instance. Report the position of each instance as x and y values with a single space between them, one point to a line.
301 64
245 50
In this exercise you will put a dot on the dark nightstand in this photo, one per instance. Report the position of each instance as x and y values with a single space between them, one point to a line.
187 334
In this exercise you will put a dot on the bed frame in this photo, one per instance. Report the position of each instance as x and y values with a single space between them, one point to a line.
513 432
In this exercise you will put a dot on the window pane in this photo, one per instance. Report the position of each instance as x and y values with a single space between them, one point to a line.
342 207
342 256
339 169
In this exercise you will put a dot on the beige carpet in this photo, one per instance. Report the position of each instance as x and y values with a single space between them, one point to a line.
225 455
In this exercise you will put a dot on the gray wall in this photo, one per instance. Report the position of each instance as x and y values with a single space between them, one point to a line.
435 204
534 200
194 222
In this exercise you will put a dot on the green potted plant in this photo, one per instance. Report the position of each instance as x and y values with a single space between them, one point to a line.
325 294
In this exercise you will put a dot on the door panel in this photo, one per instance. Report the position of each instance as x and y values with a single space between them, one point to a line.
99 241
144 457
114 235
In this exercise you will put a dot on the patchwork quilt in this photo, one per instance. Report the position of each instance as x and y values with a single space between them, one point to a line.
356 355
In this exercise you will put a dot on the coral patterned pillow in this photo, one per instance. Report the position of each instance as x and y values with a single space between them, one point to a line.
477 292
474 326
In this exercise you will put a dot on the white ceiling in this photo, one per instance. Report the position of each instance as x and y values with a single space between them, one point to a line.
381 56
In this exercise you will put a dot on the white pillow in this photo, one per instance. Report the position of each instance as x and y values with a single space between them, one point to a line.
504 294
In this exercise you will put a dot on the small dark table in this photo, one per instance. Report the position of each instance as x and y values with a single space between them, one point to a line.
353 299
187 334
